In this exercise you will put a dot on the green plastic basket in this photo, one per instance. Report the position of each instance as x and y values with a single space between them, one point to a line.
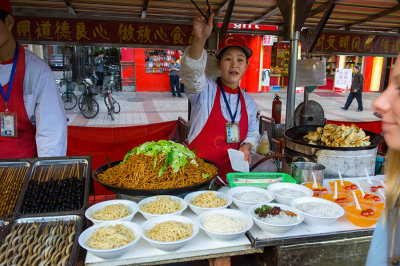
235 178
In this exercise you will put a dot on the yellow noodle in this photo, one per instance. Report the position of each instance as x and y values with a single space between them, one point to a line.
162 205
170 231
137 172
208 200
111 212
109 237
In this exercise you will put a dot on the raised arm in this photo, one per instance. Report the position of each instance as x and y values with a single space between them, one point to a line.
202 30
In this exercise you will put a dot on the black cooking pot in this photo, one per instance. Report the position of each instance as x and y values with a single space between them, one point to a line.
153 192
296 135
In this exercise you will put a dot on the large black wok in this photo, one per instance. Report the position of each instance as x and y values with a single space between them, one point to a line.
153 192
296 135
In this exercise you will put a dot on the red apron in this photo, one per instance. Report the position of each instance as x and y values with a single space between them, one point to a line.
211 143
23 146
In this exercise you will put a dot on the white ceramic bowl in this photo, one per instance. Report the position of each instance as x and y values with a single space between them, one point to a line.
198 210
315 220
274 188
132 206
245 205
227 212
150 215
109 253
273 227
169 246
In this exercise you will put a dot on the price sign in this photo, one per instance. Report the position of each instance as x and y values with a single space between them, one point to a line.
268 40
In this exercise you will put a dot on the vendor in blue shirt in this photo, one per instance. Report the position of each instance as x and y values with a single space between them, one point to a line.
173 70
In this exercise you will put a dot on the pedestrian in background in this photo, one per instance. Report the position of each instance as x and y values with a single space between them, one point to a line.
99 68
355 90
174 68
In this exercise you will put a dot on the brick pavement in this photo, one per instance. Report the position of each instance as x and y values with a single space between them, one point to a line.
161 106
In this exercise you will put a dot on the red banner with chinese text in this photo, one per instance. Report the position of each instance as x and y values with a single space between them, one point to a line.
112 32
358 43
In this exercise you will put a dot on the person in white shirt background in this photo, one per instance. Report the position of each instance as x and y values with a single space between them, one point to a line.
223 116
33 119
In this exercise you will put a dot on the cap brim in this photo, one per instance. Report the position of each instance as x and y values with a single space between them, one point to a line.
248 52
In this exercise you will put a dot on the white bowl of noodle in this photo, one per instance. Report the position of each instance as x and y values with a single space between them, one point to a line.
169 232
226 224
161 205
112 210
110 240
205 200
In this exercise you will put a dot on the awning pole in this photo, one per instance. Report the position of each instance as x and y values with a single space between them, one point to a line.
291 90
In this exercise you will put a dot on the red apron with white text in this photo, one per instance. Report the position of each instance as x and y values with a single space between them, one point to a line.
211 143
23 146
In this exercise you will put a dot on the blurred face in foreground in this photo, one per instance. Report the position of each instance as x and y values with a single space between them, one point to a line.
233 65
388 105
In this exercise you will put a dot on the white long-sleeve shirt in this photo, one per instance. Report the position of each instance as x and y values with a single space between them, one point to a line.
201 91
43 105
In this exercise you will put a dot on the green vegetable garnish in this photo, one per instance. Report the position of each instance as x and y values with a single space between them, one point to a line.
205 175
176 155
262 208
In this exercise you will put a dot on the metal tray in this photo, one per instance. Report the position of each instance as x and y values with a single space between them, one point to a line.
84 166
44 221
13 164
153 192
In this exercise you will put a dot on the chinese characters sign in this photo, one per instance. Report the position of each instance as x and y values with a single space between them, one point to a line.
343 78
113 32
358 43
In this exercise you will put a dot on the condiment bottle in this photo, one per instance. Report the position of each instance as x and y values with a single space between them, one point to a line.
263 146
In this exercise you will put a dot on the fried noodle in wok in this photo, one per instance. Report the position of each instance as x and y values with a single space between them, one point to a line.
137 172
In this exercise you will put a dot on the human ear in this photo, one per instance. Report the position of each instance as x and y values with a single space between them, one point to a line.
9 21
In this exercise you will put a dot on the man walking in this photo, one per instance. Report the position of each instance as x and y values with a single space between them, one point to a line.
99 68
356 90
174 69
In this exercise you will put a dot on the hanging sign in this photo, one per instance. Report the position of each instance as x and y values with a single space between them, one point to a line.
343 80
268 40
311 72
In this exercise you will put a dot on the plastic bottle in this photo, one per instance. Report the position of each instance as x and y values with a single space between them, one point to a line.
263 146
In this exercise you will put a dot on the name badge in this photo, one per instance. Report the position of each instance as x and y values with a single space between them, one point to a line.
9 125
232 132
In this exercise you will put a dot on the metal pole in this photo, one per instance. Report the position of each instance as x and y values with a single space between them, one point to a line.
291 90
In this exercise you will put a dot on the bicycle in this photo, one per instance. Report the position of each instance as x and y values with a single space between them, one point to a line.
68 97
111 103
88 106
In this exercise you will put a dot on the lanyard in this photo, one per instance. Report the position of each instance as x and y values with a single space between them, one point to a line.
10 83
227 104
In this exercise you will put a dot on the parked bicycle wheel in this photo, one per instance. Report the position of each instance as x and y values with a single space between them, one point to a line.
110 106
69 100
117 107
89 107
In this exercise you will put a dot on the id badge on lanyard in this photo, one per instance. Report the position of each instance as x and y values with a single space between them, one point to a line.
233 128
8 124
8 120
232 132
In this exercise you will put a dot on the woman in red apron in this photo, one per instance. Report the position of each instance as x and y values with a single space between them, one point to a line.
220 116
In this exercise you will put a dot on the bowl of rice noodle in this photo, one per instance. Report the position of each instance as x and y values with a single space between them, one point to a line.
161 205
157 168
110 240
205 200
112 210
317 211
225 224
275 218
170 232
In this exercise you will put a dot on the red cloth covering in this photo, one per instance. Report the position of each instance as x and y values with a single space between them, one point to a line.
100 142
